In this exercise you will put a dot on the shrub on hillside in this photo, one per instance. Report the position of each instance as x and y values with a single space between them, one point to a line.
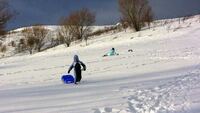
21 45
102 31
12 43
3 48
1 43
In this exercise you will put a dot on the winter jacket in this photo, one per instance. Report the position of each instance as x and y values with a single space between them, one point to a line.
77 74
111 53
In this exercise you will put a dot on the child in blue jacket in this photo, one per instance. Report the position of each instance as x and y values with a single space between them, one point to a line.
111 53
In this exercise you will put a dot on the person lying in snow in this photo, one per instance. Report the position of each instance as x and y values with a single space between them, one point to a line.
111 53
77 68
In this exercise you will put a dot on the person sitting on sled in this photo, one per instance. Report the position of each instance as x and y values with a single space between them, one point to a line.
111 53
77 68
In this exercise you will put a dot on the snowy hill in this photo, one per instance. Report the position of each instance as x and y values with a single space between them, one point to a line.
161 75
12 39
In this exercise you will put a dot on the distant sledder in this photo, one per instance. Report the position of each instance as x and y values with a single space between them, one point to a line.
112 52
77 68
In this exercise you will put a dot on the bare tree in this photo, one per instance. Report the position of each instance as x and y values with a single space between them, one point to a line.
5 15
65 36
35 37
124 24
79 23
30 39
39 34
30 43
148 17
136 13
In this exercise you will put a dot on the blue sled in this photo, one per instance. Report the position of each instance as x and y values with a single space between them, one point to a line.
67 79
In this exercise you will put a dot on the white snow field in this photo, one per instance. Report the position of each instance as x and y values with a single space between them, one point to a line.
161 75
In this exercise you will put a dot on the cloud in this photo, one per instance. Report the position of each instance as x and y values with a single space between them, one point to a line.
174 8
49 11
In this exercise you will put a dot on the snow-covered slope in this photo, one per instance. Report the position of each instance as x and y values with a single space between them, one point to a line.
14 37
161 75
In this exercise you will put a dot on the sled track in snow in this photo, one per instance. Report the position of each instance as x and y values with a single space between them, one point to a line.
165 98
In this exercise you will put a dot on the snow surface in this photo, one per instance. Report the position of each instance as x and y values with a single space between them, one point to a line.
161 75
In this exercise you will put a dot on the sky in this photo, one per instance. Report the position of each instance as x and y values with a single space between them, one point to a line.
49 12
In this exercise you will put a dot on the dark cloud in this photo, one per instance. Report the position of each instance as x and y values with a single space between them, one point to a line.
50 11
175 8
